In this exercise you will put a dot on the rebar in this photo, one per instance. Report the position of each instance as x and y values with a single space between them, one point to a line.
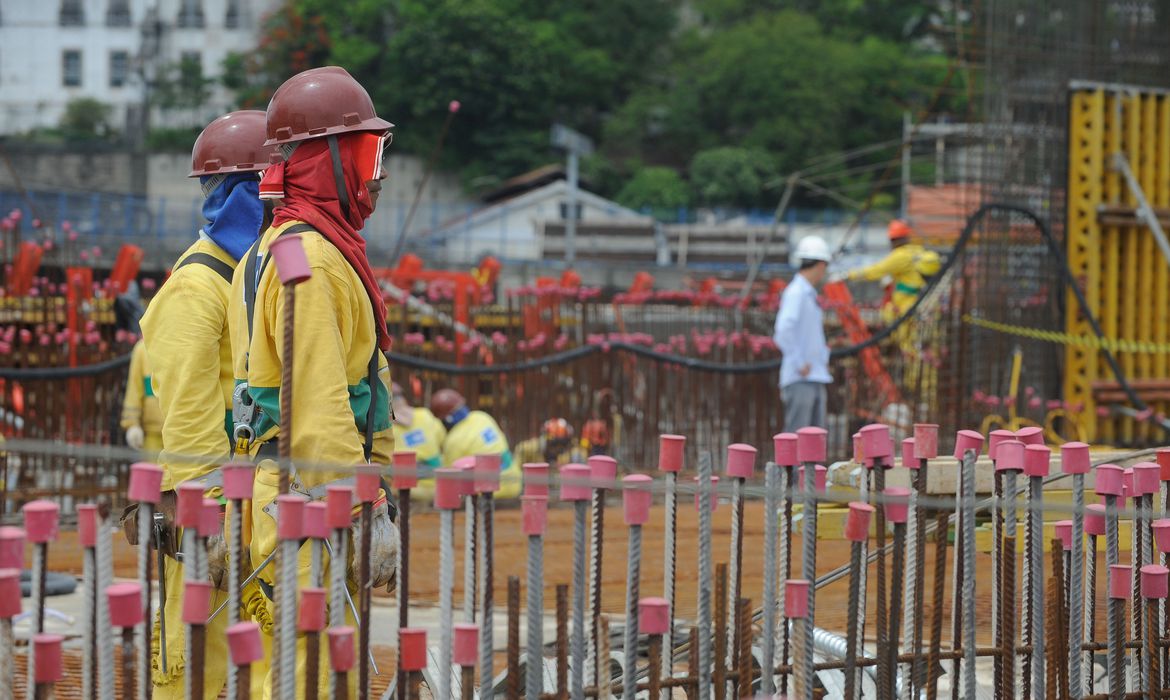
365 591
470 535
768 635
402 579
446 595
1116 609
1136 670
734 569
936 614
512 689
669 554
704 583
145 525
535 667
7 662
597 545
235 573
719 674
654 659
1090 608
88 635
883 670
917 670
577 643
895 608
851 680
286 606
633 580
809 567
1008 597
784 541
909 606
1076 618
105 631
968 582
1035 568
486 563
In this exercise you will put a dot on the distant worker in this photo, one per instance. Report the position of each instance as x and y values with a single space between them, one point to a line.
417 430
471 433
800 335
908 266
141 416
595 437
555 445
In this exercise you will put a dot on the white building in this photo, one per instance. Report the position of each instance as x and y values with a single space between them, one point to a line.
52 51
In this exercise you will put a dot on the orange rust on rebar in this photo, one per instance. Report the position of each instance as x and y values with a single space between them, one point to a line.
719 677
563 641
744 672
513 692
1008 615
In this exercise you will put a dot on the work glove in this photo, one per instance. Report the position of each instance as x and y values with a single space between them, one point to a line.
217 561
135 437
168 536
383 545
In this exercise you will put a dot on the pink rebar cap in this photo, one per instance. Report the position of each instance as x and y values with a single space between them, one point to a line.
40 521
994 439
244 643
466 468
196 601
87 525
796 598
405 465
1064 531
339 507
741 461
908 459
636 497
1120 581
290 516
1095 522
238 478
1031 435
602 471
1146 478
288 251
857 522
311 613
670 452
820 478
125 603
189 504
1074 459
1154 581
575 483
1110 480
9 593
487 473
967 440
466 644
367 481
47 648
145 482
897 504
210 523
535 479
448 488
926 440
1127 483
784 445
714 500
316 525
1163 458
534 513
811 444
859 452
341 652
11 547
1009 456
653 616
875 441
412 649
1161 529
1037 460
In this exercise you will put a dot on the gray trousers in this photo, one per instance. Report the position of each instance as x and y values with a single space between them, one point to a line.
805 404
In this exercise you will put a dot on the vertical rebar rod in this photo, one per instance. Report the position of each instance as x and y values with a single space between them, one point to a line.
668 575
956 586
655 662
918 669
512 689
784 542
1076 619
704 583
936 613
486 562
446 598
909 608
129 675
534 685
105 631
402 578
235 549
883 670
597 546
1090 608
895 609
809 568
633 581
851 680
286 606
768 635
719 674
577 643
1035 581
1008 593
863 491
145 525
88 636
7 660
968 583
1150 679
1116 609
997 529
734 568
470 534
365 602
1136 670
563 642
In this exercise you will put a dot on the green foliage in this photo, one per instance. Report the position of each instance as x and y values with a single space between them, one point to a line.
86 119
655 188
172 140
728 175
182 85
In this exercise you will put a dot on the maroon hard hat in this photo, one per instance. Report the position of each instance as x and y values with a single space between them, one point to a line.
445 402
233 143
320 102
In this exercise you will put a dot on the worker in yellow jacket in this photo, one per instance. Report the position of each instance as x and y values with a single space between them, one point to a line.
908 265
187 342
471 433
141 417
328 185
417 430
555 445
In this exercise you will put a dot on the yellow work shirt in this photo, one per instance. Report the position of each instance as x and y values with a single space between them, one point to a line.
903 265
186 335
532 450
424 437
139 403
479 434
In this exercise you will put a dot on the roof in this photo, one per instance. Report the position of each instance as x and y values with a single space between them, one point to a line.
525 182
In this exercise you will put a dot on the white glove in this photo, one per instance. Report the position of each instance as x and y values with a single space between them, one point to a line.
217 561
383 546
135 438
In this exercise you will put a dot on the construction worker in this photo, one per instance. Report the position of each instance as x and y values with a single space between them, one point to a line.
554 445
416 429
324 123
187 342
800 335
141 417
471 433
595 437
908 265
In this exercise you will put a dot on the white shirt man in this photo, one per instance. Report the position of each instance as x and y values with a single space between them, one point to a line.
800 335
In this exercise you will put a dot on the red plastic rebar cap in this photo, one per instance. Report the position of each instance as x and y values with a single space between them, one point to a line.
1163 459
811 444
367 482
125 603
47 649
1120 581
196 601
1064 531
1074 459
714 500
11 547
908 459
40 521
534 514
602 471
575 483
653 616
238 478
1154 581
9 593
487 473
290 516
87 525
466 468
784 445
288 251
244 643
1037 460
412 649
875 441
210 523
1146 478
636 497
311 613
341 651
1009 456
1127 483
796 598
405 470
1161 528
466 651
925 440
1110 480
1095 522
741 461
820 478
449 488
897 504
145 482
1031 435
339 507
535 479
189 504
994 439
857 522
316 525
967 440
670 452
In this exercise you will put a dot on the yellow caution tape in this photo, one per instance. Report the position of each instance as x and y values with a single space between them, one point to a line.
1088 341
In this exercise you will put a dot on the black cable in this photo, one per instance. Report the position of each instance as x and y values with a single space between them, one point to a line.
33 373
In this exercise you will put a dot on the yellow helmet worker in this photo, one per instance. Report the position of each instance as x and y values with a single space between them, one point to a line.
471 433
417 430
908 265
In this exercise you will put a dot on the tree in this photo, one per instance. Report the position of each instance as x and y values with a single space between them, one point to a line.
290 42
86 119
655 188
182 85
730 176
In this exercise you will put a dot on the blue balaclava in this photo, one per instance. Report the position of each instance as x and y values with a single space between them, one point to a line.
234 211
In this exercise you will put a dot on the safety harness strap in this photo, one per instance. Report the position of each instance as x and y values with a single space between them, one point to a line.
217 266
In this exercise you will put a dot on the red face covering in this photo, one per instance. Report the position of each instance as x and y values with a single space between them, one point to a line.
306 183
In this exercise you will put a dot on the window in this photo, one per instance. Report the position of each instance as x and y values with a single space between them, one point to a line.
231 20
191 14
118 13
565 211
71 68
119 68
72 13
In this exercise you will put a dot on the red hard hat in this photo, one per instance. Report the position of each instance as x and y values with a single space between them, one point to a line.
557 429
445 402
319 102
233 143
899 229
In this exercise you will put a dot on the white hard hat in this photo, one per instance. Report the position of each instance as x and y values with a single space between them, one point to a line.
813 248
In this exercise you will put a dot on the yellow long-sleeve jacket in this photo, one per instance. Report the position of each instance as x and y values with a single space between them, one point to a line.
334 340
479 434
905 265
139 404
186 334
424 436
